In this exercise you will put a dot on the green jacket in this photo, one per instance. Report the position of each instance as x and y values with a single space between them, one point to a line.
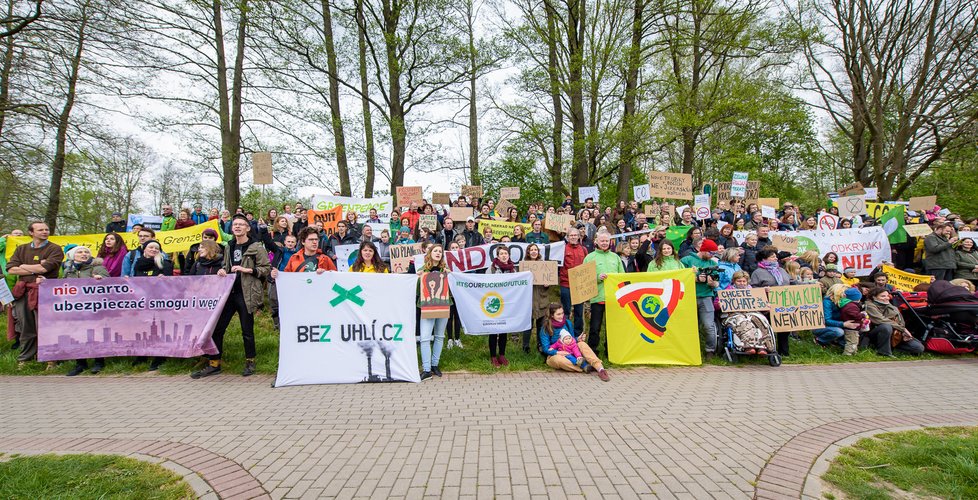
966 262
607 263
252 285
703 290
668 264
169 224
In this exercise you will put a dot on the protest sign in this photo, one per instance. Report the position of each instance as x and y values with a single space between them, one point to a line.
752 196
862 249
360 206
852 189
342 328
769 212
770 202
328 218
459 214
558 222
472 192
918 230
742 300
176 241
503 207
922 203
671 186
154 222
795 308
441 198
871 193
652 318
785 243
904 281
480 257
738 185
851 206
261 167
6 296
428 221
583 281
544 271
408 194
701 206
641 193
509 193
401 256
346 255
434 301
650 211
874 210
493 303
827 221
172 316
502 228
585 192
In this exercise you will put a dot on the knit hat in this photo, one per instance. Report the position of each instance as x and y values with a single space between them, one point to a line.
849 270
854 294
405 229
831 268
143 247
564 333
209 233
708 246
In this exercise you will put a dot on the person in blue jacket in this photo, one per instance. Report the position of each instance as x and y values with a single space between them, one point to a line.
549 333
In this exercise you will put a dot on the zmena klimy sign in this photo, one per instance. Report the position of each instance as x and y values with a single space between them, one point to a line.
340 328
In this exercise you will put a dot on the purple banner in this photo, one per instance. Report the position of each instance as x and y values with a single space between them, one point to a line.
168 316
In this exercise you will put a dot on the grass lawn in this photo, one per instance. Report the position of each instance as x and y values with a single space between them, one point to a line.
474 357
88 476
935 462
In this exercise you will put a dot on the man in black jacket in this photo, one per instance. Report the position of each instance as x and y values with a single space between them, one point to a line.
472 237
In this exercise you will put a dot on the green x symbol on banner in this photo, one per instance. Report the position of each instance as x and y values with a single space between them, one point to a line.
344 294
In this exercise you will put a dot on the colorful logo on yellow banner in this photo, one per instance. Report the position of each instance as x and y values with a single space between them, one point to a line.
651 304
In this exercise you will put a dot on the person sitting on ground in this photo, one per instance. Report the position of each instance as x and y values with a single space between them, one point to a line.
553 327
567 344
887 322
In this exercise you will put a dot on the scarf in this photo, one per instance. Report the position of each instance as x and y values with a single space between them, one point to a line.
113 261
774 269
558 325
507 267
144 265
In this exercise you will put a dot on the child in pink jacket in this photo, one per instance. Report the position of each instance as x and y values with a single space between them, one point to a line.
567 344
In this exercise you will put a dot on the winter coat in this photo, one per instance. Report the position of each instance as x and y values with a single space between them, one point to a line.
833 316
749 260
940 254
88 269
205 267
765 277
547 340
727 270
966 262
573 256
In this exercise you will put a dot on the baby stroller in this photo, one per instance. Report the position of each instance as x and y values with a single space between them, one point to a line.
944 318
733 347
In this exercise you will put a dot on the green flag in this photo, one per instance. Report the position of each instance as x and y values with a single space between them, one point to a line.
676 234
892 222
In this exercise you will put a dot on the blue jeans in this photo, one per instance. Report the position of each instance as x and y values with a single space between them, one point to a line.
829 335
430 355
708 323
565 301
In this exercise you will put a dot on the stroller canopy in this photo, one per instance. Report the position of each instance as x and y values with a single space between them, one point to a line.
944 293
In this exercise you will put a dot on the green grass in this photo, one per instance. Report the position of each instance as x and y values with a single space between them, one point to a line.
88 476
940 462
473 358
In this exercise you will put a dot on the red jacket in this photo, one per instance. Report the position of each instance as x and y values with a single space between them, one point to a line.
573 257
297 260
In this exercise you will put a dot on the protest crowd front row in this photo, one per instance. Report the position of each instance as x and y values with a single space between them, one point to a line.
358 287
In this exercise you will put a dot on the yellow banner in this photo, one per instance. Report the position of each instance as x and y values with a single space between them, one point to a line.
904 281
176 241
502 228
651 318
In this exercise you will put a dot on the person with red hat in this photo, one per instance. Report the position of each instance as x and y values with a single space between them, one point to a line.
706 281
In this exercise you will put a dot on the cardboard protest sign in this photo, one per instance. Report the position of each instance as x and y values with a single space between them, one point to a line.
401 256
795 308
261 167
544 271
650 211
852 189
459 214
742 300
429 222
771 202
472 192
441 198
918 230
851 206
785 243
583 282
502 208
585 192
408 194
738 185
922 203
558 222
671 186
434 301
509 193
723 192
641 193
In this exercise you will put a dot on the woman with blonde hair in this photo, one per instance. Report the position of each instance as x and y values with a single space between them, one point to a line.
811 260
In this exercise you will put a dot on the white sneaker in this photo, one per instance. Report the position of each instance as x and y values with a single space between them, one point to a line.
458 343
449 345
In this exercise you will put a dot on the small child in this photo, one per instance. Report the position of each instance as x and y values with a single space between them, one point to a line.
567 344
849 276
807 276
851 312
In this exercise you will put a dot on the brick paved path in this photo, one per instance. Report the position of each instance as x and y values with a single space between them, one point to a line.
666 432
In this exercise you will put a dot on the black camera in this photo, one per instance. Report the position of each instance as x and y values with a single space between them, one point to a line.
709 273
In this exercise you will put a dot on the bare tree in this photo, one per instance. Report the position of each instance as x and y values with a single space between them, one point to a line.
14 22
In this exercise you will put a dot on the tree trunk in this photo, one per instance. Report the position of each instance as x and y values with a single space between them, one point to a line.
61 139
556 167
397 125
575 49
368 127
473 112
334 102
7 65
626 149
229 104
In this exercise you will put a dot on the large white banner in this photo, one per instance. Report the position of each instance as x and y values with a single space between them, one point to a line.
340 328
860 248
480 257
493 303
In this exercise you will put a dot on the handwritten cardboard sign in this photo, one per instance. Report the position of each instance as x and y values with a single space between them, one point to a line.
771 202
671 186
583 281
544 271
509 193
472 192
853 189
429 222
558 222
723 192
401 256
796 308
441 198
261 167
918 230
785 243
742 300
408 194
922 203
851 206
459 214
738 185
502 208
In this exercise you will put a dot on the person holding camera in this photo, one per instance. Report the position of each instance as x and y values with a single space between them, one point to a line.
707 279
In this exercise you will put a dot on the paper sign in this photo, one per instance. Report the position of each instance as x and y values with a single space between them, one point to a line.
558 222
544 271
401 256
509 193
871 194
922 203
701 206
441 198
753 192
827 221
261 167
583 281
5 296
459 214
796 308
771 202
918 230
670 185
472 192
407 194
851 206
641 193
429 222
852 189
768 212
585 192
785 243
742 300
738 186
434 298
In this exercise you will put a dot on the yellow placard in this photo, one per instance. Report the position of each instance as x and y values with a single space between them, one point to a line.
652 318
502 228
904 281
